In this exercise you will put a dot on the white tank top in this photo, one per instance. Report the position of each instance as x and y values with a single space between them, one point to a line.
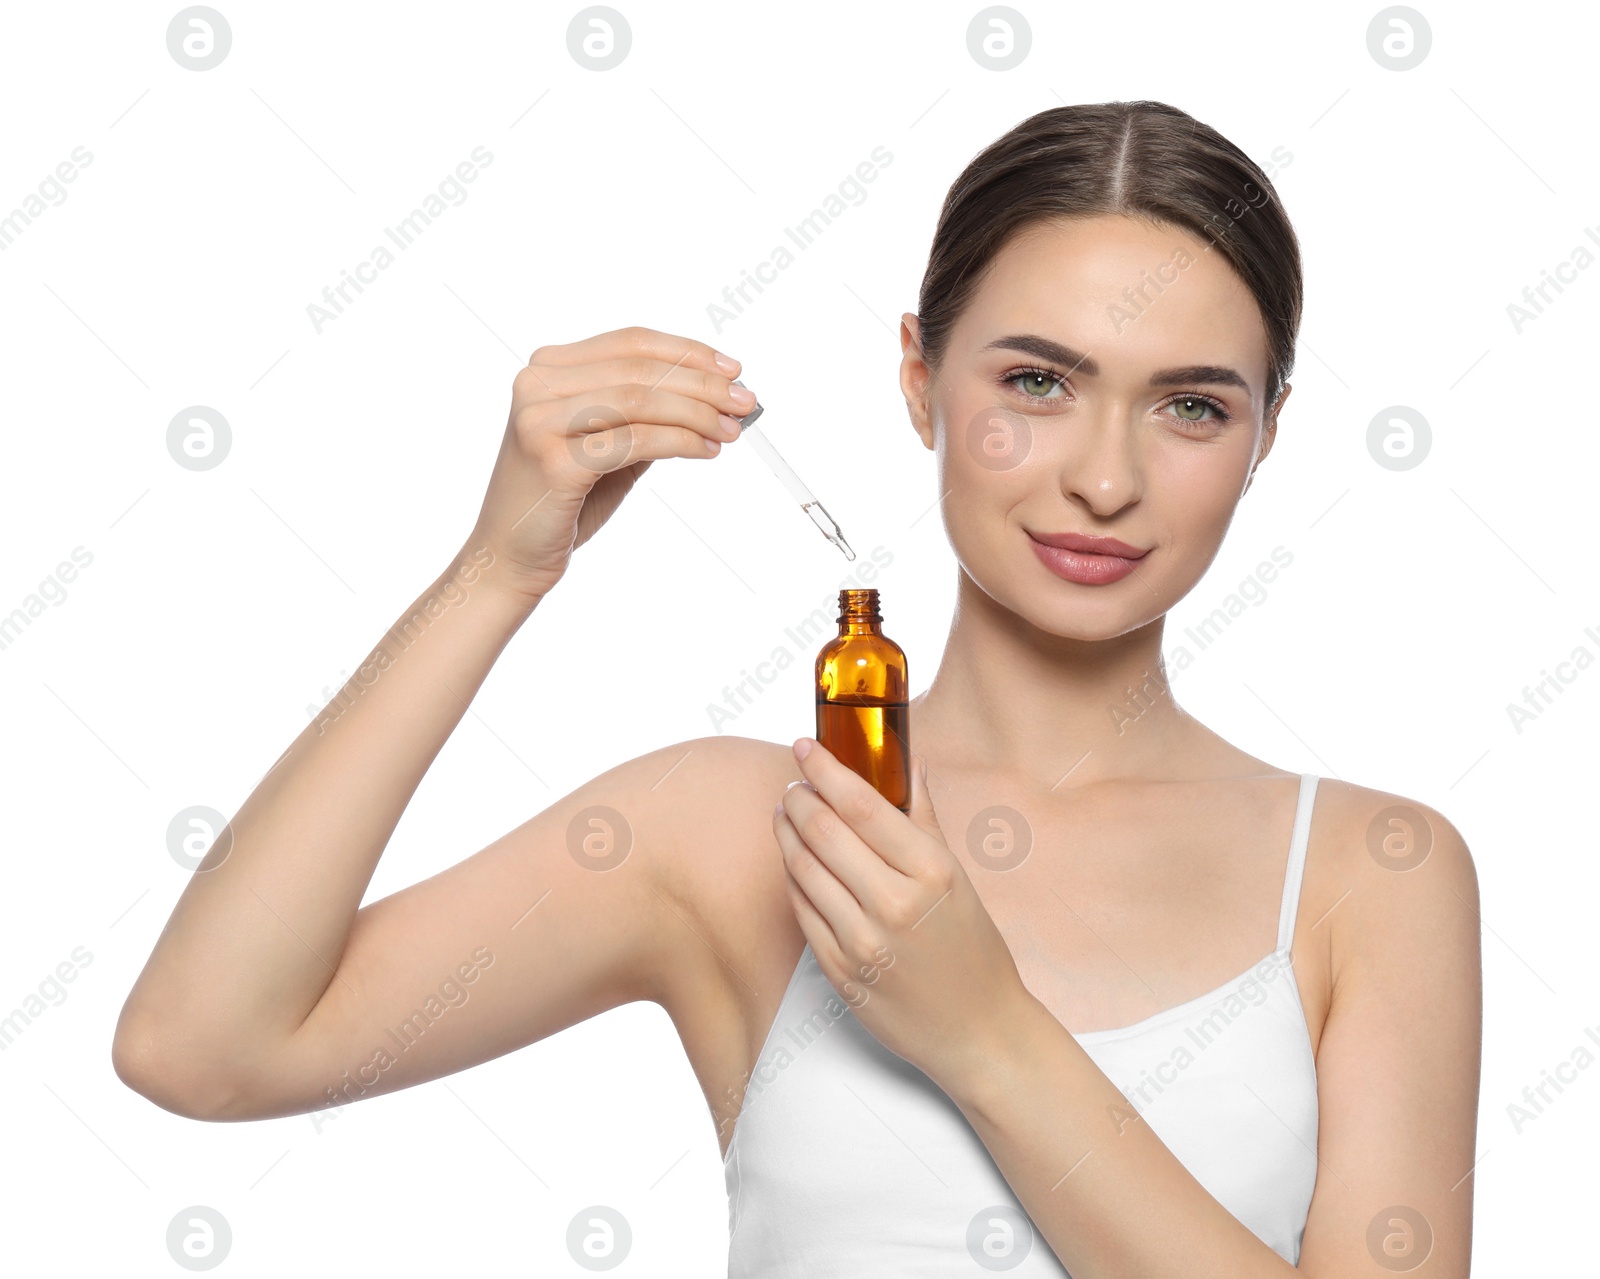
847 1160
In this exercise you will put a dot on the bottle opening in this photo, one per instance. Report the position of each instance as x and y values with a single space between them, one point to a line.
859 605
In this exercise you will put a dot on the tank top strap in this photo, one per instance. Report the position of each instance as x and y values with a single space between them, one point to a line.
1294 873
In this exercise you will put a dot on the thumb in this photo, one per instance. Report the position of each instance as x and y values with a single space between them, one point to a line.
922 812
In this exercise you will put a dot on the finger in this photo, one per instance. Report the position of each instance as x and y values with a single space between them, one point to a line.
637 340
709 387
624 444
821 886
922 812
819 933
853 862
637 421
878 823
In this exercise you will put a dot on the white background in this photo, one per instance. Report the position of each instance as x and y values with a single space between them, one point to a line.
221 607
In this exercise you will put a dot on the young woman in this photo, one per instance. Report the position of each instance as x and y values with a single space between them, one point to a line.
1116 997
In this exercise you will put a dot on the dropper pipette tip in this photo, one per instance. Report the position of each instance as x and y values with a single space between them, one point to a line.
815 509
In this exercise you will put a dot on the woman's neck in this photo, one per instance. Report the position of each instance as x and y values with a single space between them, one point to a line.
1011 698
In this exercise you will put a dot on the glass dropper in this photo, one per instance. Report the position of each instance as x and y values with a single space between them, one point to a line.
797 489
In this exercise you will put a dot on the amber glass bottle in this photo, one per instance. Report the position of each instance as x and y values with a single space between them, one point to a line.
863 715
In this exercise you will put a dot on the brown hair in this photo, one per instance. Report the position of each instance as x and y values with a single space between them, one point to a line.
1140 159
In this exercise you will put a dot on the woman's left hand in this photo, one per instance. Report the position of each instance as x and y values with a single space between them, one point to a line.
894 921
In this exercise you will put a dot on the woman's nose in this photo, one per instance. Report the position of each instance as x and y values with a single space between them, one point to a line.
1100 464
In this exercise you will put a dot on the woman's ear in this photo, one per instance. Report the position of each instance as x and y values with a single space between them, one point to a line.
1269 434
915 377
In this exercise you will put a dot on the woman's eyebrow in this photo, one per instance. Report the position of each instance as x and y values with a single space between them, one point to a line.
1074 361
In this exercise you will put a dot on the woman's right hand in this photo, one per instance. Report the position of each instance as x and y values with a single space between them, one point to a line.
586 421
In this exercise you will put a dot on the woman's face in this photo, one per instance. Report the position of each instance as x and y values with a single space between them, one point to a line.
1106 379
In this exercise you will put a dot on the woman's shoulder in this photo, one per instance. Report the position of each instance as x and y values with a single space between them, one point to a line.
1359 833
724 782
1391 833
1386 871
718 864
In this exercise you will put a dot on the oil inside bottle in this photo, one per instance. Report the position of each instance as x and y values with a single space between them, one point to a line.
863 711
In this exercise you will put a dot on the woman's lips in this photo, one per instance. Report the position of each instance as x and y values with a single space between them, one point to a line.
1087 567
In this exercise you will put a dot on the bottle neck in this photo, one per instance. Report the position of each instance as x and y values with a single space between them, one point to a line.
858 613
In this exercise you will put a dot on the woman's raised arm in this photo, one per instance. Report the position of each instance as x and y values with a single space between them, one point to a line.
271 988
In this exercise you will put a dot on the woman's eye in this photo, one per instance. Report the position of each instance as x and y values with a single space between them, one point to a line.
1034 383
1185 405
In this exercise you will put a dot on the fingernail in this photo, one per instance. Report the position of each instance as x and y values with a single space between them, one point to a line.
802 748
741 394
726 362
730 425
